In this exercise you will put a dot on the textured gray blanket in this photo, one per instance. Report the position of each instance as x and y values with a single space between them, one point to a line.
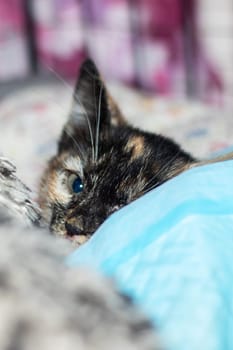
15 196
43 304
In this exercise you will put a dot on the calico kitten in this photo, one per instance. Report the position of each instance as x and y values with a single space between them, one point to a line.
102 163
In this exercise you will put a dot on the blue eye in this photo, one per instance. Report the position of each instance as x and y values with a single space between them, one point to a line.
75 183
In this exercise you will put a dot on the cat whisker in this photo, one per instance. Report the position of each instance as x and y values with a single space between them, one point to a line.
59 77
89 126
75 143
150 188
98 124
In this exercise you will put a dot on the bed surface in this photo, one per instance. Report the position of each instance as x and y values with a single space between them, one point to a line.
31 119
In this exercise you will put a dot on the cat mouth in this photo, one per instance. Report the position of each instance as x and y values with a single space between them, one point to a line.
78 240
75 235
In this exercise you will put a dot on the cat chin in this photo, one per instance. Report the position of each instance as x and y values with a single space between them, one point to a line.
78 240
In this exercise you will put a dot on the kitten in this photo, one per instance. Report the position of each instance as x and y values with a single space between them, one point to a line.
102 163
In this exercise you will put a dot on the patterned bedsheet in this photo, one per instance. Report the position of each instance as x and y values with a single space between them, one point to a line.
31 120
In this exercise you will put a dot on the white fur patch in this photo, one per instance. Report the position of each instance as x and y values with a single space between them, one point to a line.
62 192
73 164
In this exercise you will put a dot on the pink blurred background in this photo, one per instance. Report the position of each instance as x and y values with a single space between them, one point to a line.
167 47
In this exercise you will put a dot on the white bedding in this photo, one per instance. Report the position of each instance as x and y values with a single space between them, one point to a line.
31 120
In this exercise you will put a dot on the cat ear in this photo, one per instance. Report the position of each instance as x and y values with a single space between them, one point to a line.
92 94
93 110
89 113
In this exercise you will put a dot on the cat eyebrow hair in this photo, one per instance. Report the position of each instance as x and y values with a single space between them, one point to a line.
73 164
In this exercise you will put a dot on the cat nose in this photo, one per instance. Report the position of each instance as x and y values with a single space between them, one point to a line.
73 230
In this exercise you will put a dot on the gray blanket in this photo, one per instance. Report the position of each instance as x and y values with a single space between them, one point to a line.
43 304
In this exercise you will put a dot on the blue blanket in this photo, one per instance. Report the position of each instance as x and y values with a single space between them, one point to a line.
172 250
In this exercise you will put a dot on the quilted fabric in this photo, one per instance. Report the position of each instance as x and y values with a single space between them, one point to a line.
172 250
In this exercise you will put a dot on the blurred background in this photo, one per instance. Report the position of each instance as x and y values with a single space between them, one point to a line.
167 47
168 63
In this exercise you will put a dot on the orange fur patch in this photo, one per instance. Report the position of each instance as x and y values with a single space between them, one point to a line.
116 115
136 145
55 190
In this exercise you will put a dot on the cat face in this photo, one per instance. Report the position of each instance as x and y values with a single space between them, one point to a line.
102 163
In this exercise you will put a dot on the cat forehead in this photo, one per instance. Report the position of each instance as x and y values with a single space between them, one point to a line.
73 163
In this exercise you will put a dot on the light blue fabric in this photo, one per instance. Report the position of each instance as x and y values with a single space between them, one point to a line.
172 250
